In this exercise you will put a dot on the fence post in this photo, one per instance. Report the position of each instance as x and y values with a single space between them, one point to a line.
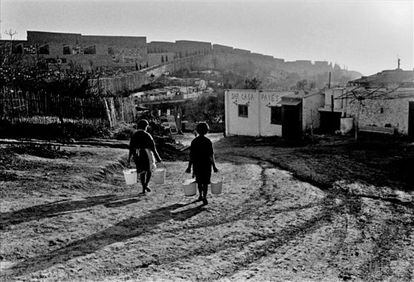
121 101
113 111
134 110
108 113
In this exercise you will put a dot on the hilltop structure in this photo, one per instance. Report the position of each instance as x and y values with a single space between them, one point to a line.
91 51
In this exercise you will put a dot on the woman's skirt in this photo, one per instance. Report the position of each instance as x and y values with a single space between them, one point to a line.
145 160
202 173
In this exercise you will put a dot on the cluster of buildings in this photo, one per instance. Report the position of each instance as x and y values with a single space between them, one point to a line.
92 51
174 94
383 103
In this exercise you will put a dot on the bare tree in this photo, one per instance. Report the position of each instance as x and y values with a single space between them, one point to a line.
360 94
11 33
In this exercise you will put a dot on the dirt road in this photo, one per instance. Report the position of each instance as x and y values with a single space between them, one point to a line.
71 217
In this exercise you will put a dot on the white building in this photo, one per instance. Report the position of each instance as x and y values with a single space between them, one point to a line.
271 113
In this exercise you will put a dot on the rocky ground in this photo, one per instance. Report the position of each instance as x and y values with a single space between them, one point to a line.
328 212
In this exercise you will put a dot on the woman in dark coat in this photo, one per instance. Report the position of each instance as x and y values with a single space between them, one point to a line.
142 149
202 160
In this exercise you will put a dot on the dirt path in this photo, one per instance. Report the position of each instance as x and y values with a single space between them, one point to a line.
72 218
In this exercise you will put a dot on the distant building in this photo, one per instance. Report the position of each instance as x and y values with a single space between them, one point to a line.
271 113
387 103
90 50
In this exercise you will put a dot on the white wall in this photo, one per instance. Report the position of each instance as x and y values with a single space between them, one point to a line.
258 121
310 113
267 100
236 125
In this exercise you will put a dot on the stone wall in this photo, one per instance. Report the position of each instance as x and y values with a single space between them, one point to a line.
241 51
161 47
160 58
217 48
120 41
129 51
119 50
185 48
119 84
40 37
384 112
133 80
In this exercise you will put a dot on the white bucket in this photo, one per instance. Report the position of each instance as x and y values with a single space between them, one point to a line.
189 187
130 176
159 175
216 187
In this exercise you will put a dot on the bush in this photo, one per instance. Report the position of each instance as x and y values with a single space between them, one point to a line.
67 130
123 132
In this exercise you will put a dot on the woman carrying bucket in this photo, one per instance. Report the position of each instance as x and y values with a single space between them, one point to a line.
202 160
142 148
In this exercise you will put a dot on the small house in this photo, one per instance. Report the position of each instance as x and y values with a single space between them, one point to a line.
271 113
383 103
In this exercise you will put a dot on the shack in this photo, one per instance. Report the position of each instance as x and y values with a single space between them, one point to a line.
271 113
381 103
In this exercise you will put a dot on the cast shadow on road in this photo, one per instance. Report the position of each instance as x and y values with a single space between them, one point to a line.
124 230
62 207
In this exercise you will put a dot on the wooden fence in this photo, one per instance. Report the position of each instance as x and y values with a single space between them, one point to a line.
46 108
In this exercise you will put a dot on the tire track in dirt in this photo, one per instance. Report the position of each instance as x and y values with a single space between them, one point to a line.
384 248
388 246
352 205
276 240
256 245
272 241
249 208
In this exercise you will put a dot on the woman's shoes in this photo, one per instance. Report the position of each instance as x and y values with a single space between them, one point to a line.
199 199
144 190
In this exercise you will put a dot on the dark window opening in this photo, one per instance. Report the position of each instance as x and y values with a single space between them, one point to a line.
243 111
276 115
66 50
382 110
91 50
44 50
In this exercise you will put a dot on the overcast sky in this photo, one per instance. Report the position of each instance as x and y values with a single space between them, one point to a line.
365 35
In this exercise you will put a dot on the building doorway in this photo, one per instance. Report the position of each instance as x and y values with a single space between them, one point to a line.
292 121
330 121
